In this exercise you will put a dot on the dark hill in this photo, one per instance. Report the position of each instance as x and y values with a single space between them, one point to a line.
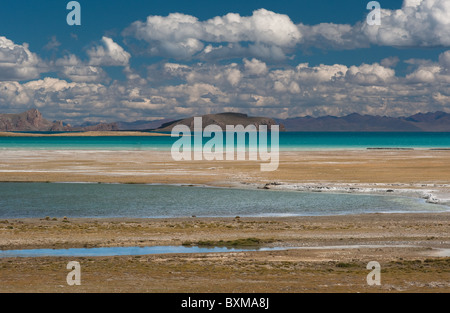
222 120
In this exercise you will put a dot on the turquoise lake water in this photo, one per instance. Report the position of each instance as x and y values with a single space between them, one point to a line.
288 141
81 200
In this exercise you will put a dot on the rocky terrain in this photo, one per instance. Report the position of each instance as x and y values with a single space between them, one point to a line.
32 120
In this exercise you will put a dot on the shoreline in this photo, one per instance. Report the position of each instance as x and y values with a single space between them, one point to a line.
435 195
154 168
85 134
313 232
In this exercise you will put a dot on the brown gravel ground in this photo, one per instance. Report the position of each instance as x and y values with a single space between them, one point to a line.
405 245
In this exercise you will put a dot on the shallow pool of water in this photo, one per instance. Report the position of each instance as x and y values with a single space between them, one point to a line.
442 253
122 251
38 200
131 251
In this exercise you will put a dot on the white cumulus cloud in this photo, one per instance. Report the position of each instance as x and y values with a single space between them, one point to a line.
419 23
255 67
17 62
108 54
182 36
71 67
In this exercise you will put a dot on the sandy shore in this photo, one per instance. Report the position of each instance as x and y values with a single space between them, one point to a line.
406 245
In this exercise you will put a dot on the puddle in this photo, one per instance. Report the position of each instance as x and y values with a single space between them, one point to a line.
442 252
131 251
121 251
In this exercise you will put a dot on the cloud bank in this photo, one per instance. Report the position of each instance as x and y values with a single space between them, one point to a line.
188 78
269 35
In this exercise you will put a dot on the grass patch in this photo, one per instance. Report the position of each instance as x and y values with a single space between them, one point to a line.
344 265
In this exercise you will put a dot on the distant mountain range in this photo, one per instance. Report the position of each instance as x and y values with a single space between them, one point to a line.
422 122
32 120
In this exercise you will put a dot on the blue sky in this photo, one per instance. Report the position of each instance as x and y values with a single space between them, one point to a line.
138 59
